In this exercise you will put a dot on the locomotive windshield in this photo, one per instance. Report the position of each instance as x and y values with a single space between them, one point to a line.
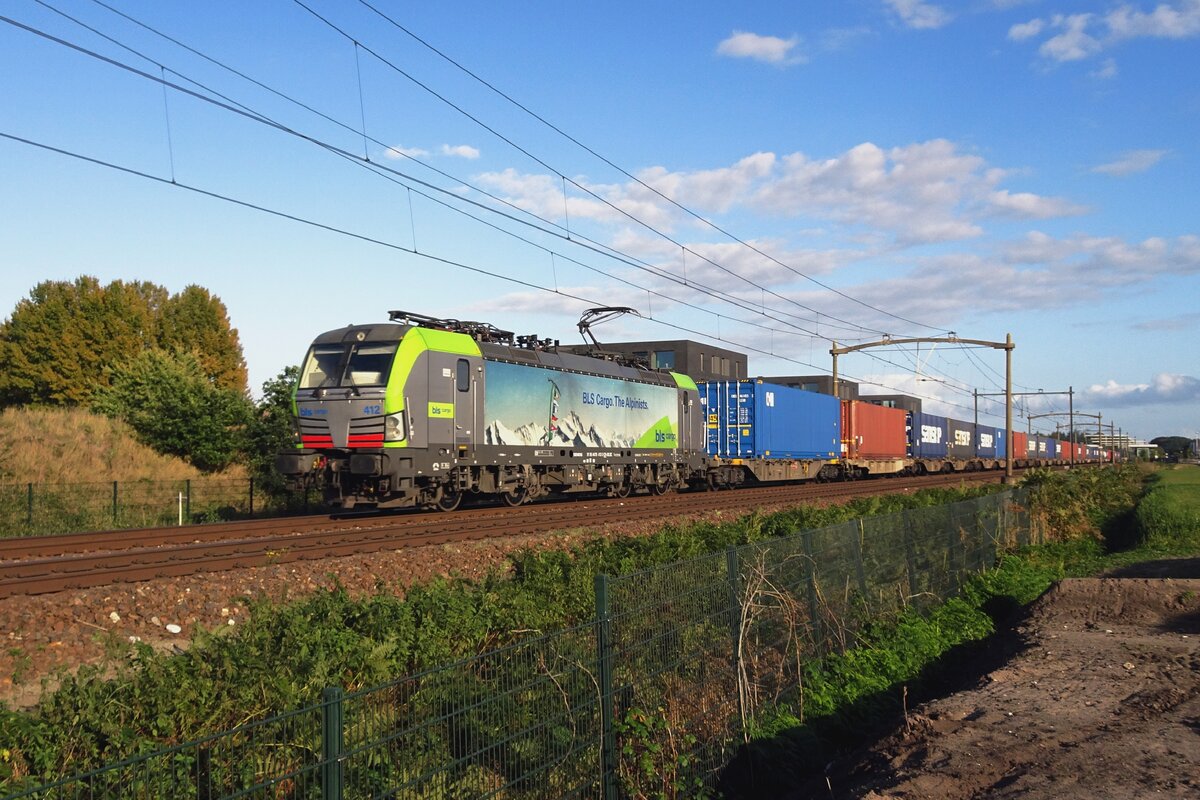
344 365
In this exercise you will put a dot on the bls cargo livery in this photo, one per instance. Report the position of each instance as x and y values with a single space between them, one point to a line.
423 412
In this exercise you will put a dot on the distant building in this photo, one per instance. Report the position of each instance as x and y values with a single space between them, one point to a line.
909 404
701 362
821 384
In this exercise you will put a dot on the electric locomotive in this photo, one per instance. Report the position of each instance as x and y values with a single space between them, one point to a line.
424 412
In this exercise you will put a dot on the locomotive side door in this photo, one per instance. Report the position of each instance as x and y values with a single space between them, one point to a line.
452 403
467 394
440 406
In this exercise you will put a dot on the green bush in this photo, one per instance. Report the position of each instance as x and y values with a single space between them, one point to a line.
174 407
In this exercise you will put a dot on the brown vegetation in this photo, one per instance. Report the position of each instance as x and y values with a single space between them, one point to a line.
60 445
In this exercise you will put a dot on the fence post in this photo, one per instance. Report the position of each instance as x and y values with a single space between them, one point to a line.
733 572
29 515
608 737
859 569
115 523
331 743
954 561
910 553
204 774
810 575
187 487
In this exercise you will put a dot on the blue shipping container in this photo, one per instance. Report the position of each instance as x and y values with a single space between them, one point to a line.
928 436
988 443
960 439
751 419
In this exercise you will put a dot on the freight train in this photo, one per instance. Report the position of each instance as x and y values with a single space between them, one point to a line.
424 412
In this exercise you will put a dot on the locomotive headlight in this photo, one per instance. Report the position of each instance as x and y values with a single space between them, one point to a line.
394 427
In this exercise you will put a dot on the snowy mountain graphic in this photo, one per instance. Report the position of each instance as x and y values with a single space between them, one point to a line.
571 432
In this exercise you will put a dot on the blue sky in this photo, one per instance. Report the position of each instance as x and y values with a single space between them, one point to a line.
772 175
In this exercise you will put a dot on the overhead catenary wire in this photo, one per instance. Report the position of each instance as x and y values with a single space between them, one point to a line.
374 240
630 175
234 106
559 173
261 118
551 229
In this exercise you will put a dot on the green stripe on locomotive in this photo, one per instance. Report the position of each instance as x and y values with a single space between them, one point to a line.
415 343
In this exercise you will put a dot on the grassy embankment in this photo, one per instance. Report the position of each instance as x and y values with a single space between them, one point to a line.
72 456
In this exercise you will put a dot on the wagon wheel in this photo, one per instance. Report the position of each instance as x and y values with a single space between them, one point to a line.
449 499
516 497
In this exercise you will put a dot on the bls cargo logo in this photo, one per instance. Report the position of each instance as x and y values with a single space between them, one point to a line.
962 438
931 434
986 440
662 437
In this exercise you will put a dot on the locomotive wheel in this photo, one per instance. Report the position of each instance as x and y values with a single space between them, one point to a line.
660 488
515 497
449 500
621 490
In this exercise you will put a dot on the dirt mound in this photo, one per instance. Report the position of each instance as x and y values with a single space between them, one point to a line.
1101 699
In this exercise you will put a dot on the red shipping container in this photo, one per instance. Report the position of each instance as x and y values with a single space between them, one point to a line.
871 431
1020 445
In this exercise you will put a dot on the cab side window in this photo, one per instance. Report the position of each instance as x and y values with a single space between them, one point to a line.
464 375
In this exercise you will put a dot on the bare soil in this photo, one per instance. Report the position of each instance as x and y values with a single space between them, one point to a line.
1096 695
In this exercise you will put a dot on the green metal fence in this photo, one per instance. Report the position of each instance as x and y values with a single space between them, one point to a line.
35 509
652 698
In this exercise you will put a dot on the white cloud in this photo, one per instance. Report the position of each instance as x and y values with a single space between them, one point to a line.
460 151
1165 21
835 39
400 151
769 49
920 193
1039 272
1131 162
1026 30
1081 36
919 15
1025 205
1163 388
1180 322
1108 69
924 192
1074 43
534 302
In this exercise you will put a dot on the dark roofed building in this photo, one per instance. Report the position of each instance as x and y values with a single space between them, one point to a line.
909 404
702 362
821 384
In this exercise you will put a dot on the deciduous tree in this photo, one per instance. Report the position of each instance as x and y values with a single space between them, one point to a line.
62 344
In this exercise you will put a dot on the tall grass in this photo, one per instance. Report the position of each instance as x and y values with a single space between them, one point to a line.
58 467
1170 511
73 445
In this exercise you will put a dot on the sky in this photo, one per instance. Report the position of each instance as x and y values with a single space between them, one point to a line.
770 177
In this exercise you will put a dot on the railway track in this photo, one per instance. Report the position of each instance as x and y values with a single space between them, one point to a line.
45 564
